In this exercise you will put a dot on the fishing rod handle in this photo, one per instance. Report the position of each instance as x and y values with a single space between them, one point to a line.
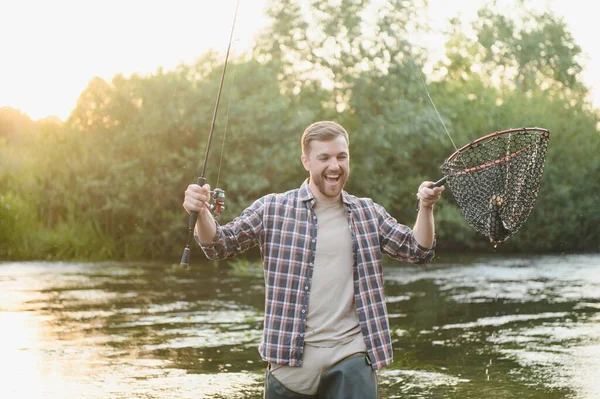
185 258
194 215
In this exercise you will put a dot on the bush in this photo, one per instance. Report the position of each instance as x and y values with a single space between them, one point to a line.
17 222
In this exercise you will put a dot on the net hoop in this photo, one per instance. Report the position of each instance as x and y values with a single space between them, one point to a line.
545 135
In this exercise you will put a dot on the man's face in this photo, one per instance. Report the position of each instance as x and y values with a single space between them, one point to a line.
328 163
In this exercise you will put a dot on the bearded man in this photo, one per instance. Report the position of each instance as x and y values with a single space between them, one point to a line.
326 330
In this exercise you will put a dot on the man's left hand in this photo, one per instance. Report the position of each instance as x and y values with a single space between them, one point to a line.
429 196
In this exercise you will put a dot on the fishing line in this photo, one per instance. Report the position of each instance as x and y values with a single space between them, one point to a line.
226 120
435 108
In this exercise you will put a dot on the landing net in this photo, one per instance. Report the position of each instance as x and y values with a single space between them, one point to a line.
496 179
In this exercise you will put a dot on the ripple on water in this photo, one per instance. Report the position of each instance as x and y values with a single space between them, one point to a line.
209 338
507 319
543 278
224 317
416 380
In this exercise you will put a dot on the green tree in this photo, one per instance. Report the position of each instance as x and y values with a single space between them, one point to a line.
108 183
526 72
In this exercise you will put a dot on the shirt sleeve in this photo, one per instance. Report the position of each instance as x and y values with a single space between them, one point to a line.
398 240
237 236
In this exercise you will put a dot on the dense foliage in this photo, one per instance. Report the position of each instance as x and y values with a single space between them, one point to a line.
108 183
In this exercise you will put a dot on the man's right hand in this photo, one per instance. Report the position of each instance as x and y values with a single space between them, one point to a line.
197 198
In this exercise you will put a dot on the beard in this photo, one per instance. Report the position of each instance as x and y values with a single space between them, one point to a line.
330 188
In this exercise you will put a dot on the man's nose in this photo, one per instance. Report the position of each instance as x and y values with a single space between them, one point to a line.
334 164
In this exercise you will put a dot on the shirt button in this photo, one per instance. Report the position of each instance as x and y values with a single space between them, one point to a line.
310 264
313 240
303 310
306 287
301 335
314 217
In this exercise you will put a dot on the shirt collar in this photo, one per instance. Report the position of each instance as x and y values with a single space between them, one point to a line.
307 195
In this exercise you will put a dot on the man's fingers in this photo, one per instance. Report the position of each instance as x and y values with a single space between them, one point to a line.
194 188
425 192
196 197
429 195
426 189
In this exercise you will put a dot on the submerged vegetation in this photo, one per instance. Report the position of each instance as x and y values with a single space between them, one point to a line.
108 182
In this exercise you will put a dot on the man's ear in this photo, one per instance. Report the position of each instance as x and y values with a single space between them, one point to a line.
305 162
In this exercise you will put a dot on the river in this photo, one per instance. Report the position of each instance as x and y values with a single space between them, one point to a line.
486 326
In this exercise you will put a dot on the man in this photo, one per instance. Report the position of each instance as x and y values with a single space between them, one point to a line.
326 329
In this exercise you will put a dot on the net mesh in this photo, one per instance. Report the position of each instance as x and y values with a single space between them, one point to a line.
495 180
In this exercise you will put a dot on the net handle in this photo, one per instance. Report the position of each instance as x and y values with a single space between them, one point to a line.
439 183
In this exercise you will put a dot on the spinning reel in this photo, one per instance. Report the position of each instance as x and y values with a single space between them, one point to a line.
217 204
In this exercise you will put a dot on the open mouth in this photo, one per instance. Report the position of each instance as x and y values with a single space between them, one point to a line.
332 178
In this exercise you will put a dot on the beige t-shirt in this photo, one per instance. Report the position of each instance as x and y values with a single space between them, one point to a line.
332 317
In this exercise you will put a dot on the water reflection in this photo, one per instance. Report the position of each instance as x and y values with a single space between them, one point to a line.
523 327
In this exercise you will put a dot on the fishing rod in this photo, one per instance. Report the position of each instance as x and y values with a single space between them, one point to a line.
217 194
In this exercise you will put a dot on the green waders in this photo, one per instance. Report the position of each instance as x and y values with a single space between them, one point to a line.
351 378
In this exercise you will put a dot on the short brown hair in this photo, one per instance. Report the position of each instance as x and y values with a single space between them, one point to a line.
322 131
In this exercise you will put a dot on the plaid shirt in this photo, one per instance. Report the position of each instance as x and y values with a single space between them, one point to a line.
285 227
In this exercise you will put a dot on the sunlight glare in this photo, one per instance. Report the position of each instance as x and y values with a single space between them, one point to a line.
21 362
56 48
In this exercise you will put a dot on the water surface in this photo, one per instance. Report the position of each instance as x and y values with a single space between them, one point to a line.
497 327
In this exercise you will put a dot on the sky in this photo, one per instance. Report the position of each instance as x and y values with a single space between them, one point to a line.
50 50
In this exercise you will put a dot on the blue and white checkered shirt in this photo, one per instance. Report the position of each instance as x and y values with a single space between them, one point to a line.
284 226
